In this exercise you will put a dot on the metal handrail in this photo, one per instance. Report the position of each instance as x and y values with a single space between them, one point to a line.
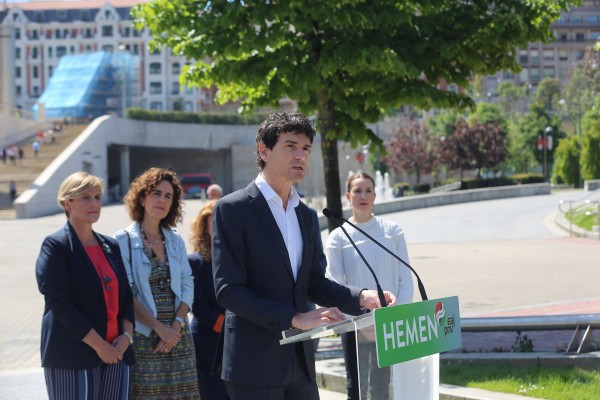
571 202
529 323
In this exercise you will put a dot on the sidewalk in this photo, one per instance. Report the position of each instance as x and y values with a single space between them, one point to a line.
490 277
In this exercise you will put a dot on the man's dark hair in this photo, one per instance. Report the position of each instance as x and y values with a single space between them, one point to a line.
281 122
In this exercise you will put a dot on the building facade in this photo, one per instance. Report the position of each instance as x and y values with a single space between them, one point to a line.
576 30
38 34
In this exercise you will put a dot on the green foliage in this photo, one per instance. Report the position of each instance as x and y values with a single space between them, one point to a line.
422 188
195 118
526 178
520 153
566 167
509 96
585 216
547 94
488 112
538 382
442 123
522 344
347 61
474 183
590 146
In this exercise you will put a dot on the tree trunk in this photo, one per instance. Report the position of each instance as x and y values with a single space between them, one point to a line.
329 150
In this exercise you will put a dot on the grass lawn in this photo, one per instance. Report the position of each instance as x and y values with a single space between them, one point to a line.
579 218
545 383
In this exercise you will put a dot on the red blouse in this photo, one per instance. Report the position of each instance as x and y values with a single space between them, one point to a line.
110 288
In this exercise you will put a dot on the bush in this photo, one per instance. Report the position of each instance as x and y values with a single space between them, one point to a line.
195 118
474 183
422 188
528 178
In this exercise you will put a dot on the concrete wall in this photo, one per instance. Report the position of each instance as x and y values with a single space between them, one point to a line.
442 199
591 185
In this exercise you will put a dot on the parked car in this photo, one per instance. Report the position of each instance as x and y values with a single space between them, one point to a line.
195 184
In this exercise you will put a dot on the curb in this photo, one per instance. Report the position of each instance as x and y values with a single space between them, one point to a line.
562 222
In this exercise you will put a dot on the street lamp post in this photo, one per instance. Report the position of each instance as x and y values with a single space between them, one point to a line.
545 141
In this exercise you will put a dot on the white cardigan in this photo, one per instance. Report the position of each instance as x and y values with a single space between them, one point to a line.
345 266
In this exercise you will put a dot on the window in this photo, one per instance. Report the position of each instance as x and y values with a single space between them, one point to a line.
17 72
88 33
189 90
563 37
107 14
176 68
156 105
108 48
155 68
562 72
548 72
155 88
61 15
49 52
17 52
34 34
107 31
174 88
188 106
85 15
563 55
126 31
36 91
50 70
535 74
18 90
579 55
524 75
60 51
57 34
72 48
580 37
17 33
592 18
594 35
508 75
65 33
35 72
534 57
88 48
548 55
523 57
34 52
136 49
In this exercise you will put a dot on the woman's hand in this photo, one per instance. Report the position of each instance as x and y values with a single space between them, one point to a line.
169 337
121 343
109 354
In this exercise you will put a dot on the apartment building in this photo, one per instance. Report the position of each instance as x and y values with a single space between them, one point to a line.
576 30
37 34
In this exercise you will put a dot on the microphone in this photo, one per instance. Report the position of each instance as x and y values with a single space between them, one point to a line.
339 219
330 214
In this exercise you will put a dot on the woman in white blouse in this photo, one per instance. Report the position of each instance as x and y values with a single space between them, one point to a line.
345 266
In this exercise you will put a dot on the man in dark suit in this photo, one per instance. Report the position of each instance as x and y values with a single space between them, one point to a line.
266 270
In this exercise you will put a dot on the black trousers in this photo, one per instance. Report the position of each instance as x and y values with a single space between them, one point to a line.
296 386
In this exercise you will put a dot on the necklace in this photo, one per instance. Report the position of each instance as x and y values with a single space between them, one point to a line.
163 283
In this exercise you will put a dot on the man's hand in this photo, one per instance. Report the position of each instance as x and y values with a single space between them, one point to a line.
370 299
308 320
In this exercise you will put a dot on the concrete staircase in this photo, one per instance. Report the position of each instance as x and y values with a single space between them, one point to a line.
28 169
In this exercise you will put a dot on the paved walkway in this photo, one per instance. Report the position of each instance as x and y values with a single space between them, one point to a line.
496 275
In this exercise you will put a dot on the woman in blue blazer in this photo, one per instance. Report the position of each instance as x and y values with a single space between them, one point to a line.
87 325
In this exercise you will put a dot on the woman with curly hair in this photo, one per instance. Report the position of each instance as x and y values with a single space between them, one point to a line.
163 289
208 314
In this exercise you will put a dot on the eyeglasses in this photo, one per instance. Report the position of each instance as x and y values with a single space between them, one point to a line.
106 280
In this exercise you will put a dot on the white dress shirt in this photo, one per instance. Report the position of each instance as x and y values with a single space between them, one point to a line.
287 221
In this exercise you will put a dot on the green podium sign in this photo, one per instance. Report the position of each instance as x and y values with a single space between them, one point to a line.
410 331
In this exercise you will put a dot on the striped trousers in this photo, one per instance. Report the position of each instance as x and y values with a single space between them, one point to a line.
105 382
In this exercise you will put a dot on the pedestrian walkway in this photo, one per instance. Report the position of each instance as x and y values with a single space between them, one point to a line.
489 276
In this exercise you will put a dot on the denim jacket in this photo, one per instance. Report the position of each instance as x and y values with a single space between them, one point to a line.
138 271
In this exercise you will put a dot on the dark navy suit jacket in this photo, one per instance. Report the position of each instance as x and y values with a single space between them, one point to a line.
74 299
254 282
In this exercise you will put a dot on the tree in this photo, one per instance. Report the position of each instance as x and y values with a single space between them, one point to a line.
442 124
547 94
477 147
347 61
411 149
510 95
487 112
590 146
566 166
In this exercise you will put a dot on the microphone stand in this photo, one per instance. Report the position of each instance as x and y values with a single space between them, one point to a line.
379 290
331 214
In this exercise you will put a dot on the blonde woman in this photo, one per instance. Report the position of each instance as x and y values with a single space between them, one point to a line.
88 316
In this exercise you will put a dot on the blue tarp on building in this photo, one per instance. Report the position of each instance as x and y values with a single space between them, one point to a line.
90 85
